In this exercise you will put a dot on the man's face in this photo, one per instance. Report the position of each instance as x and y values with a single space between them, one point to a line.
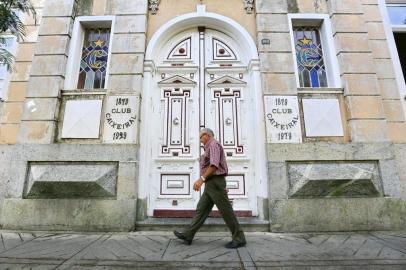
204 138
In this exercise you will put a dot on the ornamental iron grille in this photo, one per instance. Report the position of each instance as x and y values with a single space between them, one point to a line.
309 57
93 64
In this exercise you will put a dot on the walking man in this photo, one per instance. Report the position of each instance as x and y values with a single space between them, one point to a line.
213 169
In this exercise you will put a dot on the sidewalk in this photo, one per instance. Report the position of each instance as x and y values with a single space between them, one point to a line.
160 250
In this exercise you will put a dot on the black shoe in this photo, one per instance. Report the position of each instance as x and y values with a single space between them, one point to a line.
234 244
182 236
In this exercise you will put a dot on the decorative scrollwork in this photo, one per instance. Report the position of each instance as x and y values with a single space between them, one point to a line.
153 5
249 6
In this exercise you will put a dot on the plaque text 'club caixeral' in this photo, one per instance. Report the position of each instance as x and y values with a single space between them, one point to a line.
121 119
282 119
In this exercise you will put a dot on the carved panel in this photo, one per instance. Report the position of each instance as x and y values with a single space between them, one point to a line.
176 128
153 5
175 184
221 51
82 119
334 179
249 6
236 184
228 110
49 180
182 50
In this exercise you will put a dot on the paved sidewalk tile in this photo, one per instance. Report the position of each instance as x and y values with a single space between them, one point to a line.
161 250
12 240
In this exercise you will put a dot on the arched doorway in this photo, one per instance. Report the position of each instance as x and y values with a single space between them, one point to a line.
201 70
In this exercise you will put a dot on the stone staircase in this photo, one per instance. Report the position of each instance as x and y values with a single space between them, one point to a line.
249 224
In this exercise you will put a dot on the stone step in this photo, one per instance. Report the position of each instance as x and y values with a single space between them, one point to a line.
249 224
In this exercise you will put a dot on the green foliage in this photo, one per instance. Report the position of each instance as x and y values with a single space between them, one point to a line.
10 23
6 58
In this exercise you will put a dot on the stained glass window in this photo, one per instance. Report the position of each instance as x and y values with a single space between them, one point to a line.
93 64
309 57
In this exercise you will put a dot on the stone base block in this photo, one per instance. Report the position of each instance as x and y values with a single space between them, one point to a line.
51 180
334 179
344 214
68 215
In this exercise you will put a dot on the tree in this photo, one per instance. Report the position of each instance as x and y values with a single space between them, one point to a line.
10 23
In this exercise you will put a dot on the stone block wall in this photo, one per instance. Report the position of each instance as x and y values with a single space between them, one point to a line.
366 70
41 107
309 190
371 94
30 113
32 119
391 101
400 153
12 109
277 68
310 199
34 194
366 117
128 50
277 58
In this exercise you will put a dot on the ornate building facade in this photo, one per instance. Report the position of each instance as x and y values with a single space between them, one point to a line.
101 115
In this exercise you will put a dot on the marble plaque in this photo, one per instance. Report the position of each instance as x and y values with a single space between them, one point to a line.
282 119
121 119
82 119
322 117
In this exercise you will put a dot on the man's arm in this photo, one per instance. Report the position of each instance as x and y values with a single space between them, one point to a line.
214 154
199 182
209 172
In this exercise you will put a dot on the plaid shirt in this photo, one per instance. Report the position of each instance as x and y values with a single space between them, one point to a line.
213 155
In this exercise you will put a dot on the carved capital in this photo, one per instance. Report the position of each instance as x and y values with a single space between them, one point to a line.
153 5
249 6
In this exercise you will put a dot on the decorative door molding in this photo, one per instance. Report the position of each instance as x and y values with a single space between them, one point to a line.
228 112
182 50
211 61
176 122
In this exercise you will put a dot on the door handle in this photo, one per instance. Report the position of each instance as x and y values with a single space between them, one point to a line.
228 121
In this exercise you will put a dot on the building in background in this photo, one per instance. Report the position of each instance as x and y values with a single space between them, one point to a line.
100 119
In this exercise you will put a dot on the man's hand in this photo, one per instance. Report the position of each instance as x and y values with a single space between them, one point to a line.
198 184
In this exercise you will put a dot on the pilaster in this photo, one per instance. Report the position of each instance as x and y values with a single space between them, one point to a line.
41 108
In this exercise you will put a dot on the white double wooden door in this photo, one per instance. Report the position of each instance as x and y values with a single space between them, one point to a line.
201 80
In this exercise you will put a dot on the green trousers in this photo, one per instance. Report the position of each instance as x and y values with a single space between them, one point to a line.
215 194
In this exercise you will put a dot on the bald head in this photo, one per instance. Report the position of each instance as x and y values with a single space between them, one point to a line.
207 131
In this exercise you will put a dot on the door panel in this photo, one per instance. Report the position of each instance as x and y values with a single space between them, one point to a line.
176 122
227 119
200 82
